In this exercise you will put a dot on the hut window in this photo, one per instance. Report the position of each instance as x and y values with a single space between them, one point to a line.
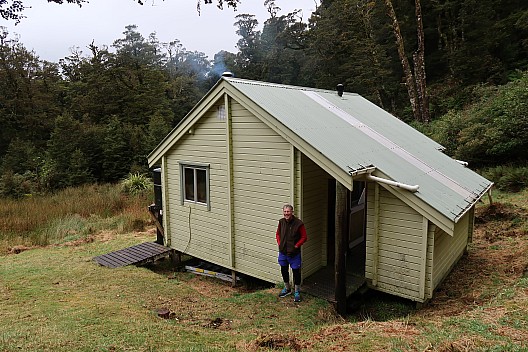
195 183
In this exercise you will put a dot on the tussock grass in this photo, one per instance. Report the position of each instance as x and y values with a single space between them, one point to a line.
70 214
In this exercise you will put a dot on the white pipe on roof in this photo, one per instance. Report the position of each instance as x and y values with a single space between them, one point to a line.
393 183
465 163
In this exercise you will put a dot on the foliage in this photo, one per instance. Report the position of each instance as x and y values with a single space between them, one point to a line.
13 185
136 184
493 130
12 9
95 116
508 178
91 118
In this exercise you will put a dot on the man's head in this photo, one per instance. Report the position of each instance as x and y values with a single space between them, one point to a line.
287 211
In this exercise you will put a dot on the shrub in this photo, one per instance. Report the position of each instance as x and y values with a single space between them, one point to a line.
13 185
492 131
508 178
137 184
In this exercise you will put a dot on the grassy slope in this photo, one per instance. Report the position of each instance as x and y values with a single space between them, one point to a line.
56 298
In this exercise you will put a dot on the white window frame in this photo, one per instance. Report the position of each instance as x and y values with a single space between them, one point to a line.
195 167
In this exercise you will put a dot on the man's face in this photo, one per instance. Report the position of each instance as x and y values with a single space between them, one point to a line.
287 212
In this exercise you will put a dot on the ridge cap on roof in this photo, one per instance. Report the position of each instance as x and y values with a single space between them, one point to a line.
279 85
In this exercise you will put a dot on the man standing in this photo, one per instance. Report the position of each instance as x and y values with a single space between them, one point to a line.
291 234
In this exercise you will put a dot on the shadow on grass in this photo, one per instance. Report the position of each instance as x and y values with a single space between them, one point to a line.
167 268
378 306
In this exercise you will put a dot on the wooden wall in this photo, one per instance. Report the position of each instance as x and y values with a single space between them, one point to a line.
314 215
396 262
261 162
194 229
448 249
262 185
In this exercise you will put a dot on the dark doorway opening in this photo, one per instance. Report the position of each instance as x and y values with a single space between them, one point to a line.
322 283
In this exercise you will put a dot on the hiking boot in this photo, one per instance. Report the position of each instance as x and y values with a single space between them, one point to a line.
284 292
297 296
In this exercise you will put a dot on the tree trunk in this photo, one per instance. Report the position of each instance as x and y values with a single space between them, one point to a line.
407 73
419 67
364 9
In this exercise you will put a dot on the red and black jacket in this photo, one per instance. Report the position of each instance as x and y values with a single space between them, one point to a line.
290 236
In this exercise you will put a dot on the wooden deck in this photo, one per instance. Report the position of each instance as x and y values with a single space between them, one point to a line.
140 254
322 284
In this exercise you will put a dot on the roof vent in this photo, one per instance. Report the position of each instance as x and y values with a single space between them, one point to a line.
228 74
340 89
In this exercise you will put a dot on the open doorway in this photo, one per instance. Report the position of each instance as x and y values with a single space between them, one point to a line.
356 224
322 282
356 208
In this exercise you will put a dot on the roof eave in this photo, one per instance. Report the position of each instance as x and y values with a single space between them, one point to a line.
472 204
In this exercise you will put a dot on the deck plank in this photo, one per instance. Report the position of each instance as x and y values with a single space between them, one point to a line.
138 254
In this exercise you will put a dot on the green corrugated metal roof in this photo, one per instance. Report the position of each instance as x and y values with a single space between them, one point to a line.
354 133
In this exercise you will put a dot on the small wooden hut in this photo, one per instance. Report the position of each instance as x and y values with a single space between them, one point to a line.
380 200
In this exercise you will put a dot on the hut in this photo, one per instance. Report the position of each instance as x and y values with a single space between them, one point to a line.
381 202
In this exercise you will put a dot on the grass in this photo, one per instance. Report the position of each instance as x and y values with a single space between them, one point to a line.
58 299
72 214
53 297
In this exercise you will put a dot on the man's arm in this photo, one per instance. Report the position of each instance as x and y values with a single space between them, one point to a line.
304 237
277 235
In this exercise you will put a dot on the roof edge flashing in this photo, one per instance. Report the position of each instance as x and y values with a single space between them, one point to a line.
471 204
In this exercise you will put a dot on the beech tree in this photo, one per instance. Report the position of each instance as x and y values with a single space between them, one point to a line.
415 82
249 57
344 47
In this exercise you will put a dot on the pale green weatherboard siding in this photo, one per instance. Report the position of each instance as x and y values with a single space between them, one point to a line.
400 254
262 184
315 215
429 285
194 229
449 249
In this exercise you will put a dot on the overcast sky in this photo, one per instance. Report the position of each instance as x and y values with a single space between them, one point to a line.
51 29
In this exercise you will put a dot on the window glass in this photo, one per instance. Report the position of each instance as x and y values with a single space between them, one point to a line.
189 183
201 185
195 184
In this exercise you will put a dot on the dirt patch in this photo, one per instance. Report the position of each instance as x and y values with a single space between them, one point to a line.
105 236
342 337
219 324
497 212
277 342
500 220
462 345
78 242
211 287
18 249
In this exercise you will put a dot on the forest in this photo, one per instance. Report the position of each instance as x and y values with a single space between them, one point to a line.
457 70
